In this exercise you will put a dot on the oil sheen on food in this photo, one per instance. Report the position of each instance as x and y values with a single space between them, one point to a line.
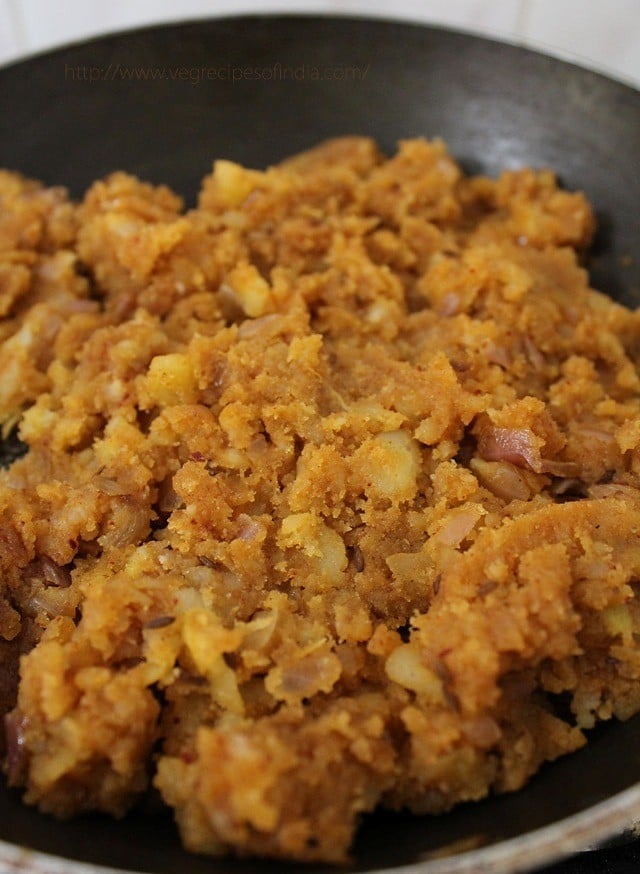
331 497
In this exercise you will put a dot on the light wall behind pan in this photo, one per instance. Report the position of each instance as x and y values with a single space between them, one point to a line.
602 35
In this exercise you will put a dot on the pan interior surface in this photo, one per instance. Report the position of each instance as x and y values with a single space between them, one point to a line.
496 106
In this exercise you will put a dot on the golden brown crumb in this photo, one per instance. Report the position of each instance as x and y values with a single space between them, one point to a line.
332 490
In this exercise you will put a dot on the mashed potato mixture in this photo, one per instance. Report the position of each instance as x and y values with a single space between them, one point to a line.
332 496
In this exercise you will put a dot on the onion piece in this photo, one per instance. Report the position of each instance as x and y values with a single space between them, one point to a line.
614 490
253 327
517 446
560 468
458 526
52 601
596 434
449 305
536 358
514 445
44 570
249 529
54 574
499 355
15 725
502 478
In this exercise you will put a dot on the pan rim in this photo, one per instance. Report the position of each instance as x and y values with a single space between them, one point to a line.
547 52
576 833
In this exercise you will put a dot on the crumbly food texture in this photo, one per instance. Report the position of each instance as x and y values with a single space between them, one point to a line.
331 498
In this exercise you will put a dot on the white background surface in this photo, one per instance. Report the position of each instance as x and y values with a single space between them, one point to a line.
602 34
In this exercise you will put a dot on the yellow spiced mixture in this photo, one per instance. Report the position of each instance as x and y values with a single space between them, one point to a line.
332 493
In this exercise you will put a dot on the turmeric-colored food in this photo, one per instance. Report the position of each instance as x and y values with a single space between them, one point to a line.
332 493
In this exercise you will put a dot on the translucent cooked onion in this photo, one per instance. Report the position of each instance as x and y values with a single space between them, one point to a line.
16 761
516 445
54 602
614 490
454 531
534 355
499 355
449 305
502 478
596 434
45 571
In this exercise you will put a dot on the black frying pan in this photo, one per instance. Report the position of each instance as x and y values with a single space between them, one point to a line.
497 106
